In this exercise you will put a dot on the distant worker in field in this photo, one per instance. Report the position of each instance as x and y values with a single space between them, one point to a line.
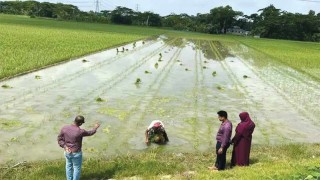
70 139
242 141
123 49
223 141
156 133
117 50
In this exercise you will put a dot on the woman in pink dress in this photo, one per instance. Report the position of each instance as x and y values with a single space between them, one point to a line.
242 141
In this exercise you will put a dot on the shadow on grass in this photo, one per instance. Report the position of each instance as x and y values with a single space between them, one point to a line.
253 161
104 174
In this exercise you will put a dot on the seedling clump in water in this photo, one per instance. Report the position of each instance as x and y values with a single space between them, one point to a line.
14 139
37 77
99 99
219 88
156 65
5 86
204 67
147 72
138 81
245 76
214 73
84 61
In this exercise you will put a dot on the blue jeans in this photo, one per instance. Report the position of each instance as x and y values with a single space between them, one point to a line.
73 165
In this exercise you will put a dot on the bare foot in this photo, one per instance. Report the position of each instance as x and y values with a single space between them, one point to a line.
213 168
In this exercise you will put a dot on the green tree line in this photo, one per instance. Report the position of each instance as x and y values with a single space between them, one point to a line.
268 22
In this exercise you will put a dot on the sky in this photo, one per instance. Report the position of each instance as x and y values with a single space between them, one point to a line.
192 7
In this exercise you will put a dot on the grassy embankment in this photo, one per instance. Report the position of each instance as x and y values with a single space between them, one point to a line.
268 162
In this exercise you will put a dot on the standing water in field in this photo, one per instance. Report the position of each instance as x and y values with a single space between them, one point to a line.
103 88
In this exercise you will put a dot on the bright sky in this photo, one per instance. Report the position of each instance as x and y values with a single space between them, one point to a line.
192 7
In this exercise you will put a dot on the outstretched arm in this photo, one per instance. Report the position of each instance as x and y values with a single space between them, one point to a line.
92 132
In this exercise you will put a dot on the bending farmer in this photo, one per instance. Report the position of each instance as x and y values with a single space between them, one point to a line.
156 133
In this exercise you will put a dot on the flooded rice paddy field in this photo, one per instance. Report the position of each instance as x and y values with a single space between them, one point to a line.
184 87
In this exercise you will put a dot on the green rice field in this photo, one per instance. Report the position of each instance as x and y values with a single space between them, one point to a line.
27 44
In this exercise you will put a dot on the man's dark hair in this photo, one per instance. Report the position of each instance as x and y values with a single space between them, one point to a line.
79 120
223 114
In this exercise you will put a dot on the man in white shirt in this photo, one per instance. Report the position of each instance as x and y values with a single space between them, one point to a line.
156 133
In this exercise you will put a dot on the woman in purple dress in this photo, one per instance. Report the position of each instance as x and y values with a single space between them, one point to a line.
242 141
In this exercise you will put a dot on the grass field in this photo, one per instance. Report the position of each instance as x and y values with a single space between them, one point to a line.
28 44
268 162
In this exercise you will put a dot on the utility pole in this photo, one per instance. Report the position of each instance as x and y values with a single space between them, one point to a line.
137 8
147 21
97 3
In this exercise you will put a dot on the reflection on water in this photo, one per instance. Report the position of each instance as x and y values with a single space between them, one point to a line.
213 50
34 110
179 43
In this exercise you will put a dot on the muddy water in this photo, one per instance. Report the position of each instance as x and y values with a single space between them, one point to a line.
181 91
